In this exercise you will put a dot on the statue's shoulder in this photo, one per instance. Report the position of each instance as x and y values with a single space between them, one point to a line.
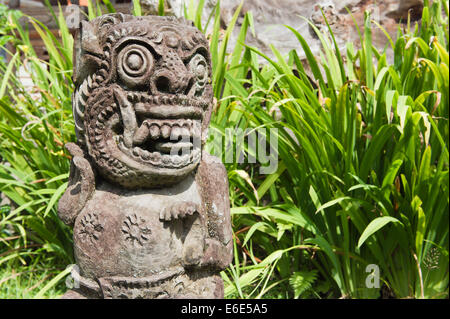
210 166
212 178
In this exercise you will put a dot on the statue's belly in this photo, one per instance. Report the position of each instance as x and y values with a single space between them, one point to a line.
124 236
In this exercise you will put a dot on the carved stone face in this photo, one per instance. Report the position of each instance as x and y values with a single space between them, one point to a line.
143 98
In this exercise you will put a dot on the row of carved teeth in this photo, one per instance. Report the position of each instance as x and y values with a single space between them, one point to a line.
177 100
172 129
158 159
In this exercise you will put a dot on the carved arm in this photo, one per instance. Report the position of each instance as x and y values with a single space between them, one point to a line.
212 179
81 186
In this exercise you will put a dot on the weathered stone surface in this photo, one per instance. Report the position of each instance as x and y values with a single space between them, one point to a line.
150 211
270 16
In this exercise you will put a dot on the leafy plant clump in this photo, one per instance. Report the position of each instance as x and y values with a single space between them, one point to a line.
35 123
362 178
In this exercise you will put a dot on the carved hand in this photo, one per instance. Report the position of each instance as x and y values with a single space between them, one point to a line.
81 186
178 210
194 229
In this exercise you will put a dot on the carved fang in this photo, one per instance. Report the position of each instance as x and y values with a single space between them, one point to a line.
128 117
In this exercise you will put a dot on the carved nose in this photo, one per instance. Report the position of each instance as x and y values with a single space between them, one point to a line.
171 83
172 76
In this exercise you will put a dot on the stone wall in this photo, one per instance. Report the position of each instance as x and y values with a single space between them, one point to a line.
271 15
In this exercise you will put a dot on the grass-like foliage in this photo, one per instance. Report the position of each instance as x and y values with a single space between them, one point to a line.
362 178
35 123
363 171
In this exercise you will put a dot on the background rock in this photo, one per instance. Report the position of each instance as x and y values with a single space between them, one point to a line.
270 16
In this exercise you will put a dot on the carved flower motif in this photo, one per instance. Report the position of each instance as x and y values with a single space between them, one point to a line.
135 230
91 227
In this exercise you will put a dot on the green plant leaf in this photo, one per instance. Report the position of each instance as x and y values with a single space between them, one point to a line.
374 226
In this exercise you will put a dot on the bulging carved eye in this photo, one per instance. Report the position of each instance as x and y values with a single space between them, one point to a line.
199 67
134 64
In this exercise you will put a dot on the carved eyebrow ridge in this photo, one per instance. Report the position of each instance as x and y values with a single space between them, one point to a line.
198 50
136 40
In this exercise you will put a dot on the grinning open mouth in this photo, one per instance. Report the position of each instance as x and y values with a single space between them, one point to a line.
166 143
163 131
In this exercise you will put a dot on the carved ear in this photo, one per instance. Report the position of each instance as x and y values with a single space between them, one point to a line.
76 53
87 52
89 39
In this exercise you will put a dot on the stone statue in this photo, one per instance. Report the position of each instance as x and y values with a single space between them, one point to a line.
149 208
